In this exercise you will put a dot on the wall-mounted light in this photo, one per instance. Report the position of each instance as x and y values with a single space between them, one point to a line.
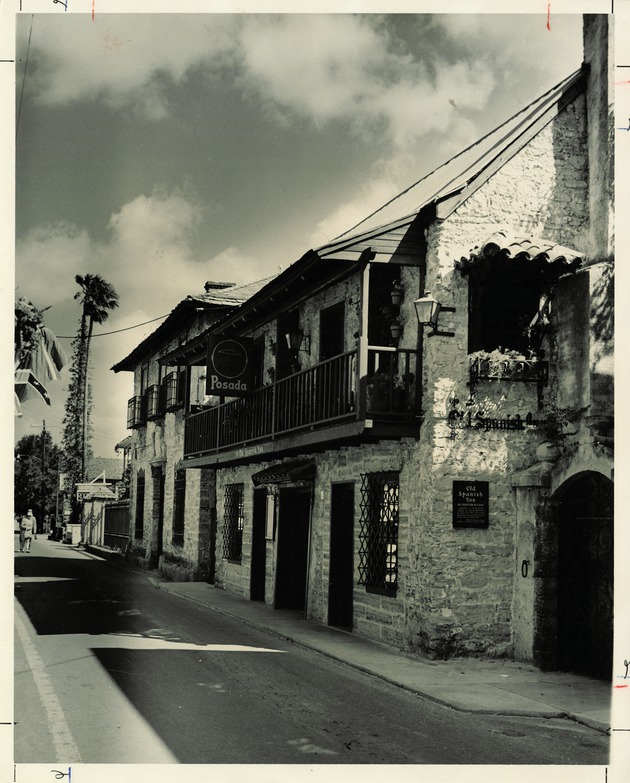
428 311
298 341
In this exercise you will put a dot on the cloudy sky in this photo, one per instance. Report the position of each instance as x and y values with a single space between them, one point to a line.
161 151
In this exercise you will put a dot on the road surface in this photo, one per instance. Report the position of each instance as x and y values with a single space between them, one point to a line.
109 669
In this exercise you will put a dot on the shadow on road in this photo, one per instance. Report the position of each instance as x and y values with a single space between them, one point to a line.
66 596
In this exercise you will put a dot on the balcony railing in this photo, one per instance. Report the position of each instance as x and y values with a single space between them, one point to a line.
173 391
134 413
153 401
324 395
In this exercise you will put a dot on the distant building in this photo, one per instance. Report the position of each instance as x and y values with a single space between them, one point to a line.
444 488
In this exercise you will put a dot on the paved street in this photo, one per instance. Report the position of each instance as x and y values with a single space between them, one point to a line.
110 669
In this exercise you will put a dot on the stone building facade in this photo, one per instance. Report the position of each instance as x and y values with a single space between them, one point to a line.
446 490
173 513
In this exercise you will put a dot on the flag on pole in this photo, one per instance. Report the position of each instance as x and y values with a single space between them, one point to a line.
40 366
26 383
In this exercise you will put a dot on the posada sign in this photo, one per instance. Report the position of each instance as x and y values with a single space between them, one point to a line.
229 366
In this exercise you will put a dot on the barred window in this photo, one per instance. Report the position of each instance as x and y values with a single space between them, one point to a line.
139 523
179 505
233 518
378 534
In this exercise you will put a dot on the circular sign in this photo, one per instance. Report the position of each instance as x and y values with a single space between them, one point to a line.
229 358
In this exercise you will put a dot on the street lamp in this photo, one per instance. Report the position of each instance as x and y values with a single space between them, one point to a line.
428 311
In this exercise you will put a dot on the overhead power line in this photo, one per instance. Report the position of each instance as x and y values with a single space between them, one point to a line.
116 331
28 49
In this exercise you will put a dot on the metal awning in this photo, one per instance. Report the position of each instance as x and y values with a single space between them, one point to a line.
286 472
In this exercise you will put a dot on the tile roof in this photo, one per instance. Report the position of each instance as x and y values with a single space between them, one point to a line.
111 466
234 295
125 443
462 173
503 245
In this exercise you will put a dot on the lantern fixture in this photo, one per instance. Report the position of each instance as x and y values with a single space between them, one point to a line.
298 341
428 311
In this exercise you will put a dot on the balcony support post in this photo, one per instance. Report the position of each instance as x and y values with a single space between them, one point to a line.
362 358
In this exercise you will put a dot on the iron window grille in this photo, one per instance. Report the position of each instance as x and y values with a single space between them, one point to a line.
233 519
139 522
179 505
378 533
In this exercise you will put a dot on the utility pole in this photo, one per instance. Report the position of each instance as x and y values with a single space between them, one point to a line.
43 481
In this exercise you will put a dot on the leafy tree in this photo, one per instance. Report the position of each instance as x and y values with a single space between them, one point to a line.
36 462
73 433
125 484
97 298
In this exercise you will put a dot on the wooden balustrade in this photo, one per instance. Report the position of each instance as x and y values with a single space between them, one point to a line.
323 395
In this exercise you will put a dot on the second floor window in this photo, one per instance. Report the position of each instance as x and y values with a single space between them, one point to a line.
504 298
139 521
233 519
144 378
179 506
378 535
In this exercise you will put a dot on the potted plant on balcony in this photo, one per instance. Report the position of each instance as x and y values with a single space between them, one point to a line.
397 293
389 395
396 326
509 365
501 363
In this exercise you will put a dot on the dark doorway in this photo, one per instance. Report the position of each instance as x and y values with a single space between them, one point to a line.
259 547
157 476
380 308
585 577
294 512
331 331
258 362
340 607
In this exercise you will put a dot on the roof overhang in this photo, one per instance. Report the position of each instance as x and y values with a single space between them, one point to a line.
299 281
192 352
177 320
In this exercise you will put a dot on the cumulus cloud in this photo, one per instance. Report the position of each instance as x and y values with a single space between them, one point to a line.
344 68
326 68
147 259
233 266
123 59
149 240
371 197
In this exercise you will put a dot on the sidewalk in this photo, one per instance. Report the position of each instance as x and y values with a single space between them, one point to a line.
468 684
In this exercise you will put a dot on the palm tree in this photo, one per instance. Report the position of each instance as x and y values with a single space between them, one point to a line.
97 298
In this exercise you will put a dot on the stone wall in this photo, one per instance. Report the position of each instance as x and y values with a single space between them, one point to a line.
160 443
462 593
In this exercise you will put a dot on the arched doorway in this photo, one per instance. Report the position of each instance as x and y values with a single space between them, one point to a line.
585 576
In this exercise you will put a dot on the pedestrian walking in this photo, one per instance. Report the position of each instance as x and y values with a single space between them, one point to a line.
28 531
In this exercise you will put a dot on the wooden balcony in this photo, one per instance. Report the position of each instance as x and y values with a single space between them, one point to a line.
331 401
